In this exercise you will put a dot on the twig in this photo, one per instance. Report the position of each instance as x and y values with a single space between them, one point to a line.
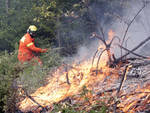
138 46
126 31
134 93
99 59
121 83
107 46
31 98
66 69
133 52
115 37
123 78
94 57
109 90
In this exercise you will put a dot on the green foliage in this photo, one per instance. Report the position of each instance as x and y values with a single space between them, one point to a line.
8 73
65 108
27 75
62 24
33 76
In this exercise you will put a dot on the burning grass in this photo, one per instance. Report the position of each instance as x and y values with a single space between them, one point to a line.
90 89
95 86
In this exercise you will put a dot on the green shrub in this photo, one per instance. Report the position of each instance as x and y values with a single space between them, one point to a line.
28 76
8 73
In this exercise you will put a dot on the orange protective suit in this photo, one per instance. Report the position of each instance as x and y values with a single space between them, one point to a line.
26 49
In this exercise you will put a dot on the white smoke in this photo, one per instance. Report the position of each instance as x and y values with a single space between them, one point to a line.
138 30
140 27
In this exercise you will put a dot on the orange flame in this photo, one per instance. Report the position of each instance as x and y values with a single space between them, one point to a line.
57 88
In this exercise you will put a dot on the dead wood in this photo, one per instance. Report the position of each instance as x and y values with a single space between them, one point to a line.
133 52
31 98
140 64
138 46
134 93
107 47
94 57
109 90
99 58
126 31
67 78
121 83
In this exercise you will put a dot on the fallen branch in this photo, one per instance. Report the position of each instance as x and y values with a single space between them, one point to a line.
31 98
130 25
121 83
67 78
140 64
133 52
138 46
109 90
134 93
107 46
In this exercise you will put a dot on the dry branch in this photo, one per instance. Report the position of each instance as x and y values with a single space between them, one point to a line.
121 83
138 46
99 58
107 47
109 90
130 25
94 57
134 93
31 98
67 78
133 52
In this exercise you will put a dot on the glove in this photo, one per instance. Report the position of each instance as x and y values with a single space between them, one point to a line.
44 50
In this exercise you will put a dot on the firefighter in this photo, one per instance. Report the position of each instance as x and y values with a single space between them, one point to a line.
27 47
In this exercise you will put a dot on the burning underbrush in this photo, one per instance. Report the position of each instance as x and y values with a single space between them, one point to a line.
84 88
108 85
103 83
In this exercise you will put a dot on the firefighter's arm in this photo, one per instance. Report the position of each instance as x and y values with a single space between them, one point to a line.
32 47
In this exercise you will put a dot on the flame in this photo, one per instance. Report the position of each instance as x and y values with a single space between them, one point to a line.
111 34
57 89
130 102
81 75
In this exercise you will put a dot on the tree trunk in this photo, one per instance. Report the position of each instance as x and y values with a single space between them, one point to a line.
58 33
7 5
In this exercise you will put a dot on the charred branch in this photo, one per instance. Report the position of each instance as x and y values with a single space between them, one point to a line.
67 78
126 31
31 98
121 83
99 58
123 78
94 57
107 47
141 64
133 52
109 90
138 46
134 93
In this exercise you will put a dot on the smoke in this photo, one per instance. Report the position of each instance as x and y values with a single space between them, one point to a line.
140 27
115 15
